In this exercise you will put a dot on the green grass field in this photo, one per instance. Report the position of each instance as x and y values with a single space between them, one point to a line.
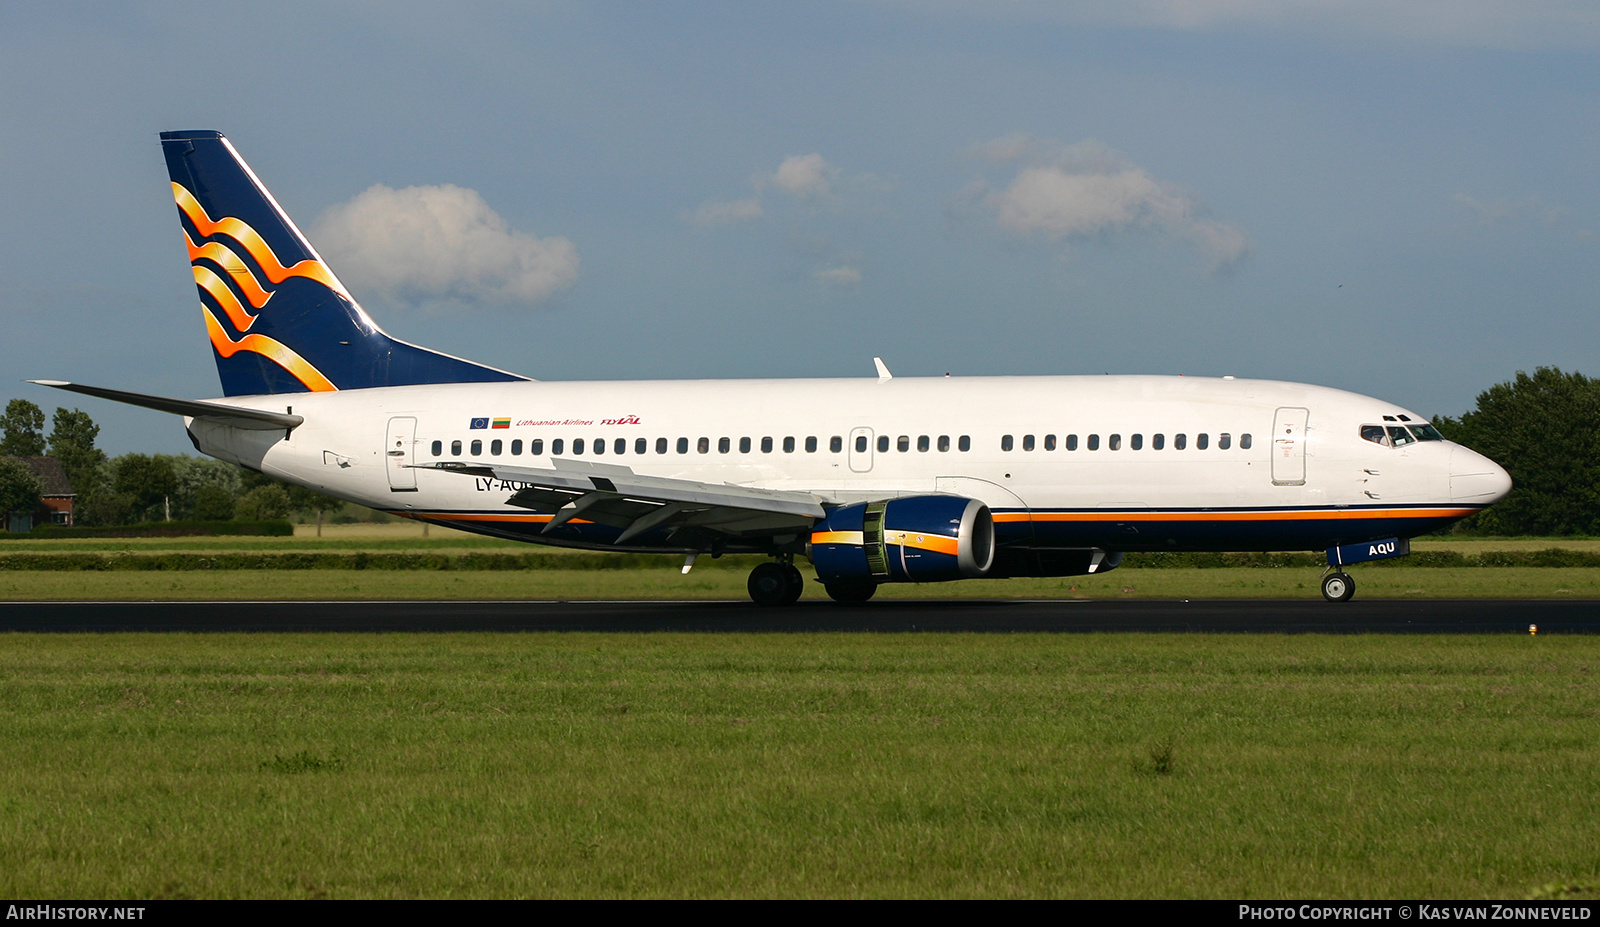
581 765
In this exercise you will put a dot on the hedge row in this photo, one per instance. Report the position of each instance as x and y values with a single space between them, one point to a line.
536 560
176 562
164 529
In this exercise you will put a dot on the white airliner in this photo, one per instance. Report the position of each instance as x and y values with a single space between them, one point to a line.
873 480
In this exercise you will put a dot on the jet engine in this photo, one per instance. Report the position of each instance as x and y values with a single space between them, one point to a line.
917 539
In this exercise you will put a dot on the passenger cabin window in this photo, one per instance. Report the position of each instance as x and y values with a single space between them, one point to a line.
1072 442
516 448
788 445
1136 442
1201 441
1244 442
599 446
811 444
944 443
965 443
1114 443
455 448
1157 442
903 444
1049 442
1094 442
640 445
577 445
883 444
744 445
683 445
922 444
536 447
1005 443
557 447
661 445
861 444
619 446
766 445
703 445
477 448
1180 441
1027 442
724 445
1224 441
835 444
438 448
496 446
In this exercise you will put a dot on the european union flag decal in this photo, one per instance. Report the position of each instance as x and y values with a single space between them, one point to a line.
478 423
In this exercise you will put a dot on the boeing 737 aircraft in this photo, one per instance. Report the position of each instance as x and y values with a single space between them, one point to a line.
873 480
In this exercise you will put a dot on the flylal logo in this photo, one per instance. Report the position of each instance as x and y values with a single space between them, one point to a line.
625 420
479 423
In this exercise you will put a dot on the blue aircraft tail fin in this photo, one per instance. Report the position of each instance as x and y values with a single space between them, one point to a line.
279 320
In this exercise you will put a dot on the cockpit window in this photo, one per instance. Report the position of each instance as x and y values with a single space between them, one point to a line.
1400 436
1375 434
1426 433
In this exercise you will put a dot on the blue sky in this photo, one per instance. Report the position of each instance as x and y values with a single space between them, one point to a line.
1395 198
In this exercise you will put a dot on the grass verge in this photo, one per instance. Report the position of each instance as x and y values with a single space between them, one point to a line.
797 766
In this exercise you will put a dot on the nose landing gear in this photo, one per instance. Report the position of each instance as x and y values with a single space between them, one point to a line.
1338 587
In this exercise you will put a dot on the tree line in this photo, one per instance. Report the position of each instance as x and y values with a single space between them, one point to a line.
135 488
1544 428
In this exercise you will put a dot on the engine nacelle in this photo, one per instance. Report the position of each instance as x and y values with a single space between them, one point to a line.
917 539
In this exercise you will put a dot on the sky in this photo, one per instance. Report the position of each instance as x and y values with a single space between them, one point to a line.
1397 198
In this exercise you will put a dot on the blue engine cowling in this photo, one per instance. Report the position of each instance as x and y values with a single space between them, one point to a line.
917 539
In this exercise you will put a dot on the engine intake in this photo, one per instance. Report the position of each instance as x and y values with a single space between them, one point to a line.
917 539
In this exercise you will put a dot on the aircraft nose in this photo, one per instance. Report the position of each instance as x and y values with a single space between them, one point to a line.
1475 478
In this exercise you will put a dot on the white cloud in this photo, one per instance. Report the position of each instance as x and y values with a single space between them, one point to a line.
839 276
429 243
1087 191
804 176
723 212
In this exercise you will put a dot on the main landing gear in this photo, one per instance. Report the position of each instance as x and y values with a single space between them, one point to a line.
1338 587
777 583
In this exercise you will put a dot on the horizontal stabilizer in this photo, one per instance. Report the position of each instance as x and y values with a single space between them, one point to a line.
194 408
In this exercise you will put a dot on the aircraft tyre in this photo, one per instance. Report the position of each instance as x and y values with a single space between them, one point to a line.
797 583
850 593
1338 587
770 584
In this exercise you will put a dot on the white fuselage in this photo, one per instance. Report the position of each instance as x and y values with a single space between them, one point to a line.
1122 462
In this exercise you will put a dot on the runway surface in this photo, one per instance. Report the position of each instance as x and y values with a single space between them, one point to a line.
1241 616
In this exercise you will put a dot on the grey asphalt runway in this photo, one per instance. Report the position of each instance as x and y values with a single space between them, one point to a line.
1244 616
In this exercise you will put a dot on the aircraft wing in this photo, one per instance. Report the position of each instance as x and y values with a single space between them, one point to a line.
614 495
194 408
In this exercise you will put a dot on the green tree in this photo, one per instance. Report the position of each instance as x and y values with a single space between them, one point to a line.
264 502
72 436
1545 430
212 503
23 425
19 490
149 481
196 474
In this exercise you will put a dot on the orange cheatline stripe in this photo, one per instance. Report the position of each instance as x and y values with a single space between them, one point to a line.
240 231
233 264
1334 514
269 348
211 283
838 537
